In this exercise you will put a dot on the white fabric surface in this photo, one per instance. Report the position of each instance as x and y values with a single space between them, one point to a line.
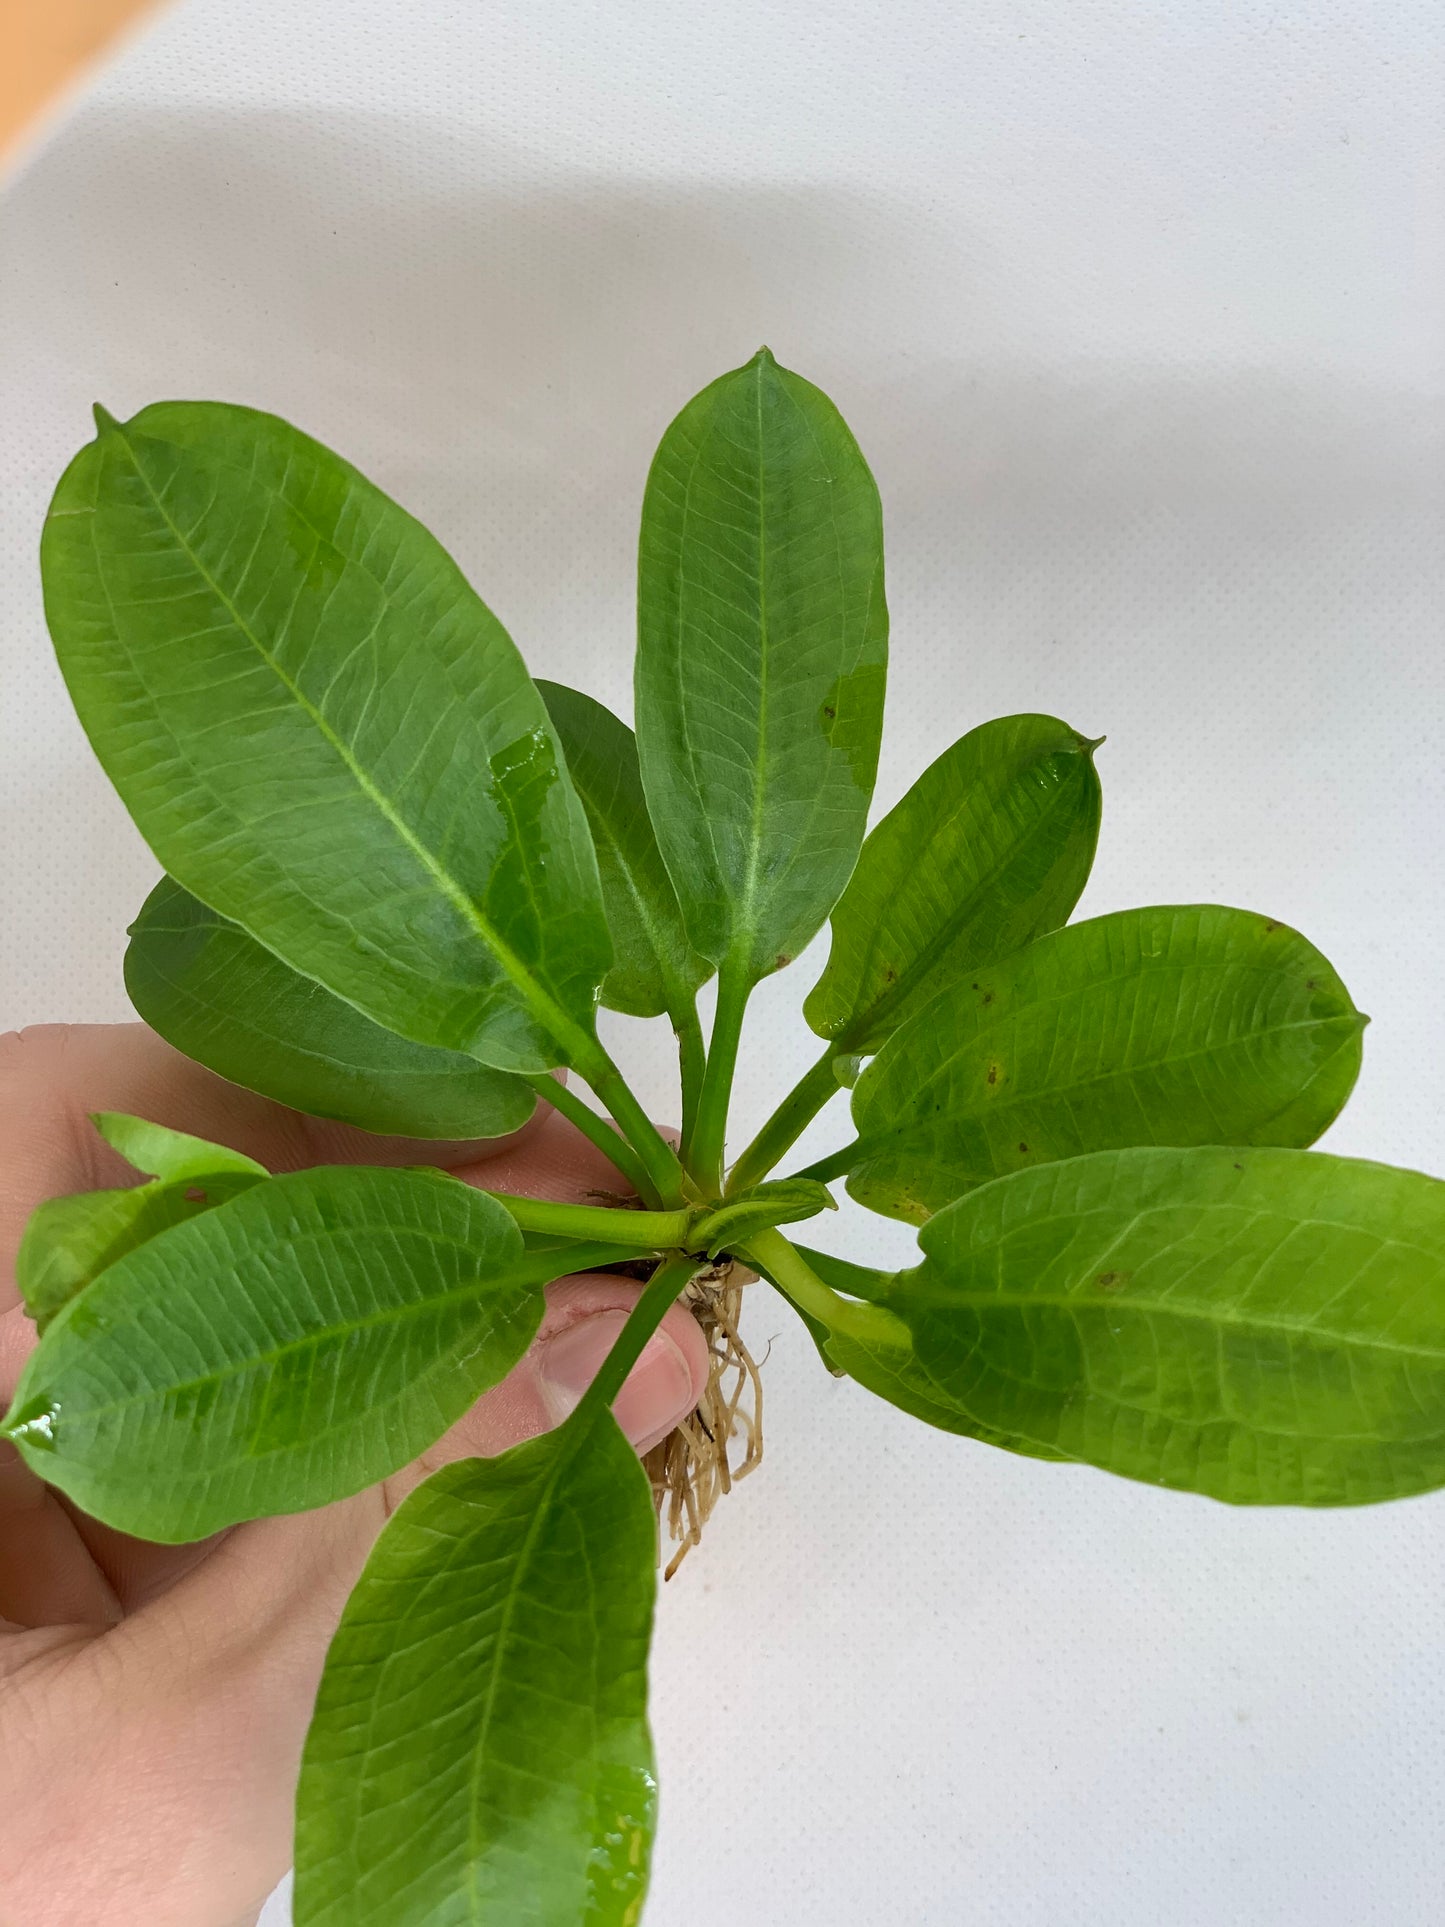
1137 310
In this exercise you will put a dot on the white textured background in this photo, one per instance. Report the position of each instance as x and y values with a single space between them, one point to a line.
1139 312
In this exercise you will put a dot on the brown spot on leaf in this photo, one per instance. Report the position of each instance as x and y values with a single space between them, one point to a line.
1270 926
195 1194
988 996
829 711
1112 1280
1024 1148
783 960
993 1073
890 976
1309 983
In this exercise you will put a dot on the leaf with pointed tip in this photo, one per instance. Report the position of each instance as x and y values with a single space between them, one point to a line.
1264 1326
223 999
656 969
480 1750
761 660
323 732
1190 1024
68 1242
287 1348
989 849
160 1152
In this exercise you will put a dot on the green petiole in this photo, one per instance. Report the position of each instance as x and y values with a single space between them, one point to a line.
787 1124
670 1278
705 1150
785 1266
642 1230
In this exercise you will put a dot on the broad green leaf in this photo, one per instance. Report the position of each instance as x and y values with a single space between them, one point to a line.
323 732
656 969
223 999
480 1751
1264 1326
68 1242
283 1350
1180 1025
780 1201
989 849
761 659
161 1152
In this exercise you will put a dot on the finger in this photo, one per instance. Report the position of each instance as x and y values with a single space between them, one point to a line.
45 1577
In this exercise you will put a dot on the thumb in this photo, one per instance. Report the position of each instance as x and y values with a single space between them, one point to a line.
581 1324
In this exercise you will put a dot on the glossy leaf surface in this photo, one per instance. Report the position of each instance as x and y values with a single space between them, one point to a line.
280 1351
480 1751
223 999
655 968
323 732
761 661
1177 1025
989 849
1264 1326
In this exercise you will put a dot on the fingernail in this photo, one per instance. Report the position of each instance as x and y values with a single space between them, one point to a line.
658 1387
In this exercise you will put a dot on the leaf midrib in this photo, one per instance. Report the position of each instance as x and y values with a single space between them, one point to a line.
544 1007
477 1289
1049 1093
1113 1304
566 1451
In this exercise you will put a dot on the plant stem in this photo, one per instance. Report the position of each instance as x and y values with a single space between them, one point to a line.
786 1266
609 1142
661 1289
692 1063
710 1134
787 1124
643 1230
664 1175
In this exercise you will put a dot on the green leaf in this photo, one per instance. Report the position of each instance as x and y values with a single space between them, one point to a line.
780 1201
480 1751
163 1153
761 659
68 1242
1264 1326
322 731
223 999
288 1348
989 849
1179 1025
656 968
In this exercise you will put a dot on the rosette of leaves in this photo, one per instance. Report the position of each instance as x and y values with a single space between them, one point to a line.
401 876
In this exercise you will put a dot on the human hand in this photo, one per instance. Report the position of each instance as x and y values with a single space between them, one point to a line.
154 1699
